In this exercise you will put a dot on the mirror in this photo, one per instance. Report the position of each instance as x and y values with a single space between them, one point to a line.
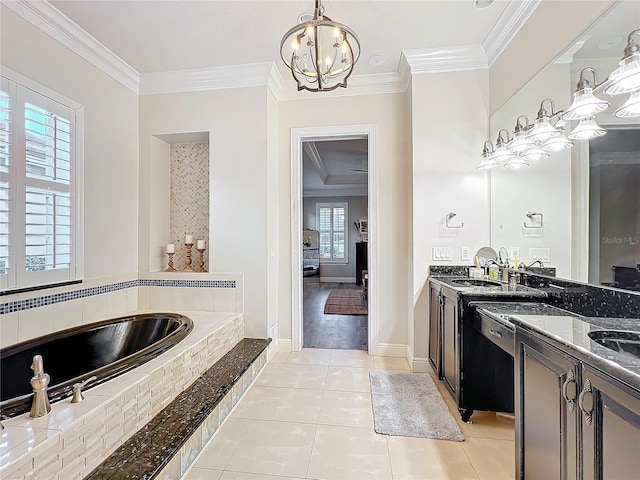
579 209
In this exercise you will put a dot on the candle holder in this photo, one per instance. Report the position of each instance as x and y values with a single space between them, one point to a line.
188 267
170 264
200 267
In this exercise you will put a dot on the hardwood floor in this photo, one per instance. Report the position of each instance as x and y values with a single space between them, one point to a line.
331 331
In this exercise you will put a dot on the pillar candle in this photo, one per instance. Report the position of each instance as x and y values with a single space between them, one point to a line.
171 248
200 244
188 239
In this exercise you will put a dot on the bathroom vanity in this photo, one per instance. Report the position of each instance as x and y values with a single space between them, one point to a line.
477 372
558 356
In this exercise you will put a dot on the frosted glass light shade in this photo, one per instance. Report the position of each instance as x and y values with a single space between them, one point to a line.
516 163
535 153
487 163
586 129
625 78
557 144
502 154
520 143
542 130
630 108
584 105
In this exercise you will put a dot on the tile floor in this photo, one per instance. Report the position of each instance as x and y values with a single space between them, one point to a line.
308 416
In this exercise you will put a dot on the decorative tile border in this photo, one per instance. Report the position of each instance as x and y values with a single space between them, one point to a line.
20 305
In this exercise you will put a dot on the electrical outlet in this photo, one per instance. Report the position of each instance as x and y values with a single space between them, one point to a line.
465 254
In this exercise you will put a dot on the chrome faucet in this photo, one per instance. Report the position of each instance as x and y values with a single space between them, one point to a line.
522 264
40 381
77 389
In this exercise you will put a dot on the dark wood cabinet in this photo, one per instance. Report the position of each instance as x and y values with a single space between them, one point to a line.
610 427
361 260
435 327
546 413
572 420
450 334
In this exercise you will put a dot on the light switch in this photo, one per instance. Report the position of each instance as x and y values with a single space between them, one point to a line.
542 254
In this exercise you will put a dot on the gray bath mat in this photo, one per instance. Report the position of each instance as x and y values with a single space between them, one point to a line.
410 405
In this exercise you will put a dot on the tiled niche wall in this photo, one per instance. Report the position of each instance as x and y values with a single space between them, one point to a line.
189 210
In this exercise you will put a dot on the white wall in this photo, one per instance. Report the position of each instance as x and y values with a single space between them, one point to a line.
357 209
450 113
240 191
110 141
391 117
159 204
545 186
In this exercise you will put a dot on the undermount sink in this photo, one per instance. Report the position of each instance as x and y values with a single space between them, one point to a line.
475 282
618 340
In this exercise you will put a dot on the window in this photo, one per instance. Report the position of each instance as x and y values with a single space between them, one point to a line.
38 191
332 225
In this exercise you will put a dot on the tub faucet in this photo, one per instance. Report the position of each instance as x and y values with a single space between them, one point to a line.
40 381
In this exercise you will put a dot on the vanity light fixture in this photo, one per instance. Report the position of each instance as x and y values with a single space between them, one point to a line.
516 163
587 128
626 78
320 53
502 153
557 143
631 107
487 157
535 153
542 129
585 103
520 143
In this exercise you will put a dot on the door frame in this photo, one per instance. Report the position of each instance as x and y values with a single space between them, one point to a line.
338 132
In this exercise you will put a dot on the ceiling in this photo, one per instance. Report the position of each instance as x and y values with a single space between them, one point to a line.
335 167
169 35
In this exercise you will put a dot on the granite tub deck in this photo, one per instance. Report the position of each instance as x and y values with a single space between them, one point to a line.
167 445
74 439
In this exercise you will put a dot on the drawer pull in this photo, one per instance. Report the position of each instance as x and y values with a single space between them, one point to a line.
569 391
495 332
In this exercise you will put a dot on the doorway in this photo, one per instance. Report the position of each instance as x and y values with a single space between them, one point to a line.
335 243
323 208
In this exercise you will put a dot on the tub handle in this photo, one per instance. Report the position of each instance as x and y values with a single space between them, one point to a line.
77 389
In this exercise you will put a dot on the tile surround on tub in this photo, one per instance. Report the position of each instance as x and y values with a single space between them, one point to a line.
75 438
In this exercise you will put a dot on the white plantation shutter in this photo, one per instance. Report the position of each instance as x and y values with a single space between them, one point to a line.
37 197
332 218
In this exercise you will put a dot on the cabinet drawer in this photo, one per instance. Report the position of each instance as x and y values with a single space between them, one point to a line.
497 332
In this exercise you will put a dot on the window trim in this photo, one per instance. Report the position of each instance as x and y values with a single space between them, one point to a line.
332 205
17 82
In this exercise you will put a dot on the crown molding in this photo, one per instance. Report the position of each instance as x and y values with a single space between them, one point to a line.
508 25
211 78
567 56
51 21
446 59
372 84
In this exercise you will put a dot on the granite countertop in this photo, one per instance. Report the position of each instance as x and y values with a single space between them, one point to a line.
500 311
492 291
571 332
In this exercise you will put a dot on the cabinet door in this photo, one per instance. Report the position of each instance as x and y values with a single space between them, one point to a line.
610 428
546 411
435 341
450 343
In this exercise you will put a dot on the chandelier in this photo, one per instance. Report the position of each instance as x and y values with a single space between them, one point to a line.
321 53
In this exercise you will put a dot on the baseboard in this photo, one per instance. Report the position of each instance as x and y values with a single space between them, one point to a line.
421 365
392 350
338 279
284 345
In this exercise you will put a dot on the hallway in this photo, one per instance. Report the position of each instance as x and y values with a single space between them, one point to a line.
331 331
